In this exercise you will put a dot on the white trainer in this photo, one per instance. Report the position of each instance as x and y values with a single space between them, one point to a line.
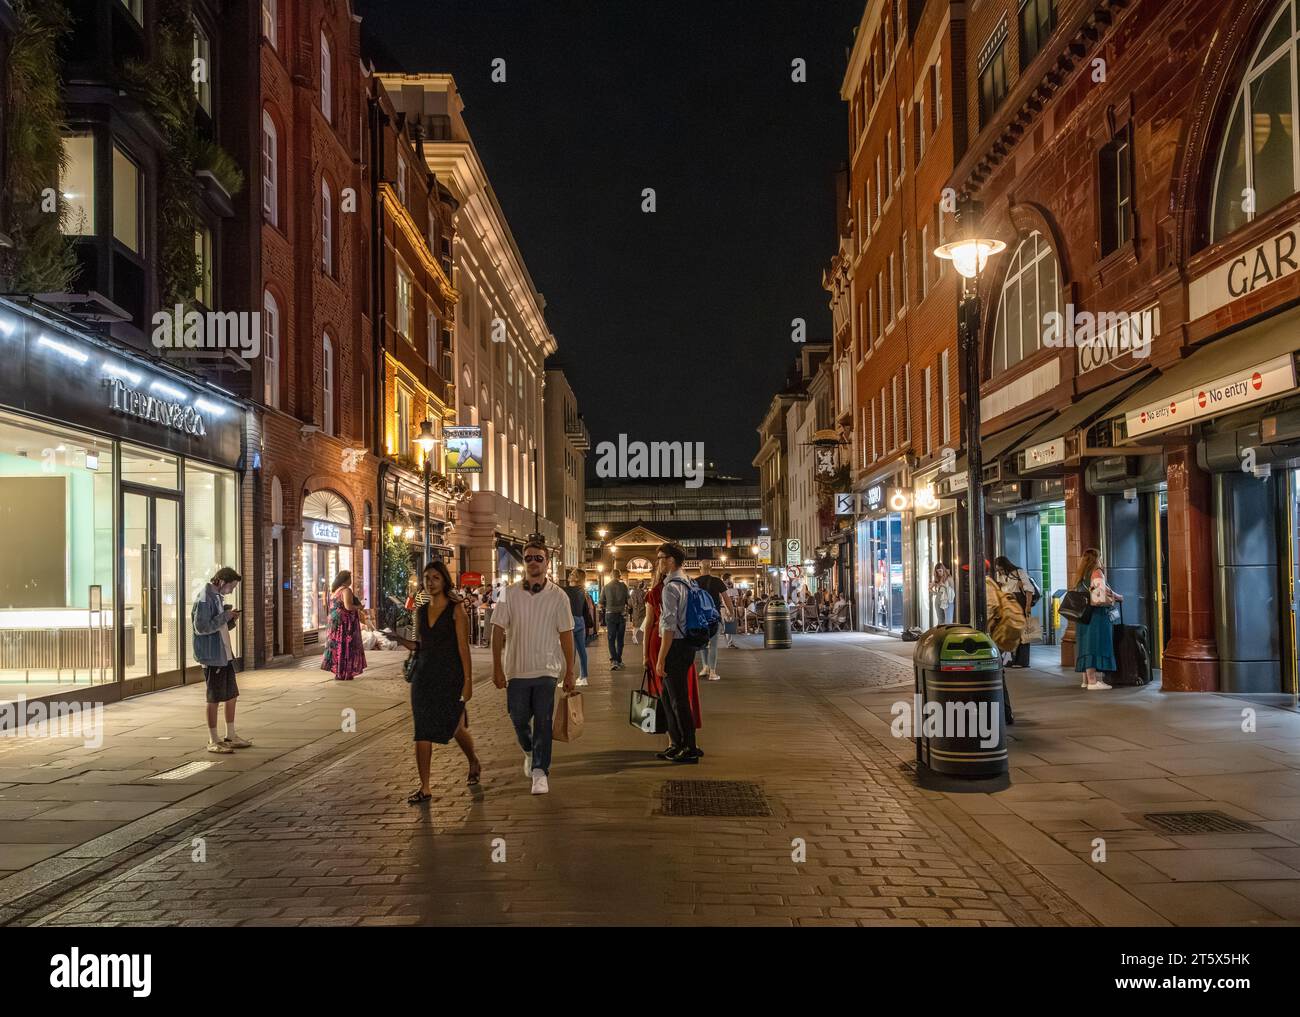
582 683
220 747
528 764
237 743
714 676
540 785
1098 685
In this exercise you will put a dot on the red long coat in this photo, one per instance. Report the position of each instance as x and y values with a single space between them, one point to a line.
654 605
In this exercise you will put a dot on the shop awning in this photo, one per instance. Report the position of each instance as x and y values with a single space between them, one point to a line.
1250 366
1078 414
994 446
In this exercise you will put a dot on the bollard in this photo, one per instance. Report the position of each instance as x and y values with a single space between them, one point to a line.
776 626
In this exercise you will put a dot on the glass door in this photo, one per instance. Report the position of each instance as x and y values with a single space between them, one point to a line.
151 585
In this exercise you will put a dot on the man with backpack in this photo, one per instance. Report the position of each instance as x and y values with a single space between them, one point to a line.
684 626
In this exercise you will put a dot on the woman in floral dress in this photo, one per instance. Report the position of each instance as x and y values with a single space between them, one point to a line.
344 655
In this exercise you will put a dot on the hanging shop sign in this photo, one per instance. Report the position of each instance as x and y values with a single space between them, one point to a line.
924 498
471 579
846 503
898 500
1266 262
828 461
1264 381
875 497
464 449
1035 457
327 533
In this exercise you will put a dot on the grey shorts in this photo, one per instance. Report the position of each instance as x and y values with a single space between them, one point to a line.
221 683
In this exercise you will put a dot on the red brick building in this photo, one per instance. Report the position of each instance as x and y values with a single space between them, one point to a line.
1110 152
894 304
316 494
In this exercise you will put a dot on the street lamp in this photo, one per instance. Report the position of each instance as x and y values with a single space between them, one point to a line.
969 253
426 440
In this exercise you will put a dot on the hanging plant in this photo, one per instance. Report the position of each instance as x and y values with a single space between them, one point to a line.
43 258
210 156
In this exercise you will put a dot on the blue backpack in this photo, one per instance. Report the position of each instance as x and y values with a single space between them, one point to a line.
701 622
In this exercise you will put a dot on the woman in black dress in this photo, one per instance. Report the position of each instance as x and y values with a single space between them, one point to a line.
443 678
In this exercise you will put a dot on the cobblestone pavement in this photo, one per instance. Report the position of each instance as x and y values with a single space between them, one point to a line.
339 846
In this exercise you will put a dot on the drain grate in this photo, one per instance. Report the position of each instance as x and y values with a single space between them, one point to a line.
712 798
1198 822
181 772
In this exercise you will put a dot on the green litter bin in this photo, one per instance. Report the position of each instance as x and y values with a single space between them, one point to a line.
958 711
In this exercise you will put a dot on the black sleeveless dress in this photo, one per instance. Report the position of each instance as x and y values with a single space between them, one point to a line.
439 679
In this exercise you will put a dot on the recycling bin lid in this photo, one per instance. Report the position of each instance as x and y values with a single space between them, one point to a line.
956 646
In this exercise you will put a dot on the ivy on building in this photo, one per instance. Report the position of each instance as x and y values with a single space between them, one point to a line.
164 85
42 258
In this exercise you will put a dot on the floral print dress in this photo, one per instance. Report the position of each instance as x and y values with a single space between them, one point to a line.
344 655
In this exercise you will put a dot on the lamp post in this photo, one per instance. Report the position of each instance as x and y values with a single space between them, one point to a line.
969 253
426 440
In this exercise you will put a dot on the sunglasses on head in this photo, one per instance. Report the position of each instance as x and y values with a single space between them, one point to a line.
534 557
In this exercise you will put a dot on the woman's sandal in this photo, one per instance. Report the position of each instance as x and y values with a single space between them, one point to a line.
418 797
474 771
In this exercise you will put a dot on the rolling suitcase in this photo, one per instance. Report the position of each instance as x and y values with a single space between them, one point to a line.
1132 654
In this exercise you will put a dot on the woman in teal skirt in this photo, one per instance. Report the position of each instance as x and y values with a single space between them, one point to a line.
1094 652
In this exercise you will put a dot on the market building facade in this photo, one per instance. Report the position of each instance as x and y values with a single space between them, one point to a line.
1139 162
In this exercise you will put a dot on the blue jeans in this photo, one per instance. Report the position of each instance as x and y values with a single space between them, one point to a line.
580 642
707 656
614 630
531 704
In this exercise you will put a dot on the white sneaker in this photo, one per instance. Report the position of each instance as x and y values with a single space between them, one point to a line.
528 764
237 742
582 683
540 785
221 747
1083 684
1098 685
714 676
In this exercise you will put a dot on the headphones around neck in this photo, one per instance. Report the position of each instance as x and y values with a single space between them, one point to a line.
535 587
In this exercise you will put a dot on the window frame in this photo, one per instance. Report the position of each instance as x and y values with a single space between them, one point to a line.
270 350
327 384
326 97
327 261
271 161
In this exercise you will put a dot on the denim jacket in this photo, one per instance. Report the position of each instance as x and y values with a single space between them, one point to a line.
207 617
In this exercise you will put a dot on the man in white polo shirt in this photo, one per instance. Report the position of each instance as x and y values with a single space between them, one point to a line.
533 625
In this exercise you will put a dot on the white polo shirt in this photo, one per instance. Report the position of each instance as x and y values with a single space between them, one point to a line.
533 623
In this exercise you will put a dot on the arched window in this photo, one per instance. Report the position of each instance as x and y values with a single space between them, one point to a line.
327 375
270 350
1253 177
326 227
270 19
270 170
326 79
1031 291
277 502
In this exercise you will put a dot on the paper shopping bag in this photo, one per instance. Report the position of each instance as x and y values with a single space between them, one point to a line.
568 721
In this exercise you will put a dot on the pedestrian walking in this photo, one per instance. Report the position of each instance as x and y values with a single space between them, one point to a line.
730 610
1006 623
344 655
673 662
707 656
211 620
532 629
653 682
943 594
580 607
442 677
614 597
1094 652
636 605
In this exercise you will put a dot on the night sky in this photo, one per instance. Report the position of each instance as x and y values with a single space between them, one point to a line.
673 325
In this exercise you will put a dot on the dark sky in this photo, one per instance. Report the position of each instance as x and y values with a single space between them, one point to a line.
672 326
